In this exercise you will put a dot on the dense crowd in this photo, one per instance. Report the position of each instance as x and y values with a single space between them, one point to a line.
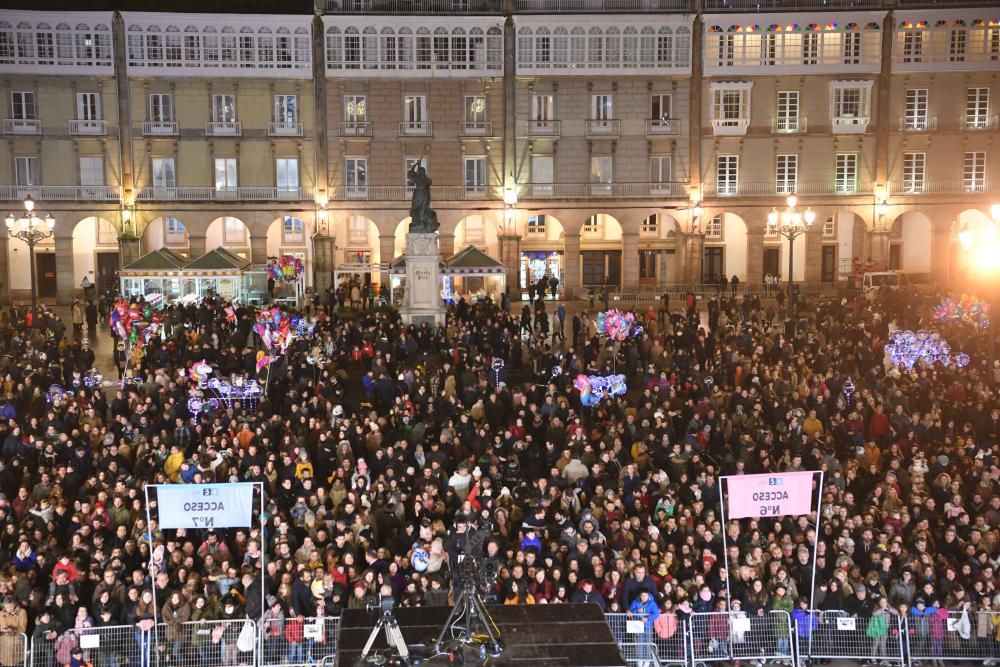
373 437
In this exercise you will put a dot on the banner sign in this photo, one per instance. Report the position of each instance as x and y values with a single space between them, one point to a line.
205 505
780 494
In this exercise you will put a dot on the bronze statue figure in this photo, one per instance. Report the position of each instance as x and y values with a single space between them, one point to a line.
423 219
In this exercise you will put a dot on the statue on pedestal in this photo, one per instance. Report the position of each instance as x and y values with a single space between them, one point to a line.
423 220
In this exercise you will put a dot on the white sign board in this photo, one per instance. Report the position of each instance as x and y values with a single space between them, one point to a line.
776 494
741 624
635 627
313 631
205 505
848 623
90 641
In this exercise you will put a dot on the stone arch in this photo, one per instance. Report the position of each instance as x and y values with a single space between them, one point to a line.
399 243
358 237
95 243
601 251
729 232
480 230
910 242
166 232
231 233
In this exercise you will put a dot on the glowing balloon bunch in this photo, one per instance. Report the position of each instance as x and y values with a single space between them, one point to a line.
57 394
908 347
276 329
287 268
966 309
617 325
593 388
237 389
199 372
134 324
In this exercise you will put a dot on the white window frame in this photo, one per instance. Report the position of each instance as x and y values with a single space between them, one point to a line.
161 108
23 105
416 118
223 108
787 111
356 175
536 225
661 106
357 231
647 228
355 108
92 170
914 171
974 171
475 173
713 228
226 173
977 107
234 232
731 110
850 105
475 110
602 172
474 228
727 174
543 107
163 172
286 108
602 106
286 174
846 173
915 108
661 172
830 227
541 178
88 106
106 234
786 173
27 170
293 231
174 232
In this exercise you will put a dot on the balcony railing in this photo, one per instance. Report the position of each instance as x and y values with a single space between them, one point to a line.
663 126
402 193
413 7
88 128
42 193
476 128
979 122
787 5
607 127
600 6
355 128
540 128
224 128
776 189
22 126
789 124
937 4
601 190
850 124
917 123
244 193
159 128
955 186
730 126
409 128
284 129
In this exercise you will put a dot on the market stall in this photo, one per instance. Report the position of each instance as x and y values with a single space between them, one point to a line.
217 273
156 277
473 274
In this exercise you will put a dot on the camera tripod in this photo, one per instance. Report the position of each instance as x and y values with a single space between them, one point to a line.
393 637
470 624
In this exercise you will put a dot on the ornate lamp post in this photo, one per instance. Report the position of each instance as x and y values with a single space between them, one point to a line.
982 248
32 230
790 224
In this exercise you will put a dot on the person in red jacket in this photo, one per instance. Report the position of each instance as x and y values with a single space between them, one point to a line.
878 425
294 635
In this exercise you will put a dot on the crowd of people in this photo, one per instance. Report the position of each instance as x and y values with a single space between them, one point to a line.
373 437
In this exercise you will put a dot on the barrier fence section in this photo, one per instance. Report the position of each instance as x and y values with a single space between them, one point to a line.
835 634
109 646
667 635
730 636
968 636
639 654
298 642
14 649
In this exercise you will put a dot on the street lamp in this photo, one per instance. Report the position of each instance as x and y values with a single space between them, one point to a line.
790 224
982 247
32 230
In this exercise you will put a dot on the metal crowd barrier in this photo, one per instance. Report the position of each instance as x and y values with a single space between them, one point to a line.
939 637
14 650
669 639
731 636
640 654
281 643
835 634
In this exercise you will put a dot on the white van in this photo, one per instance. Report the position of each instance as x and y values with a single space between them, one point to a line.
874 281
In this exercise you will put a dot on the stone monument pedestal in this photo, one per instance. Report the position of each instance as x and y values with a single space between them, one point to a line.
422 302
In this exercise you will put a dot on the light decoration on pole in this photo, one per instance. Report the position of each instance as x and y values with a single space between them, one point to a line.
790 224
32 230
849 390
497 367
907 348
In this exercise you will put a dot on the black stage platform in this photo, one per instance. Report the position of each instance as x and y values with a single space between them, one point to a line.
575 635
